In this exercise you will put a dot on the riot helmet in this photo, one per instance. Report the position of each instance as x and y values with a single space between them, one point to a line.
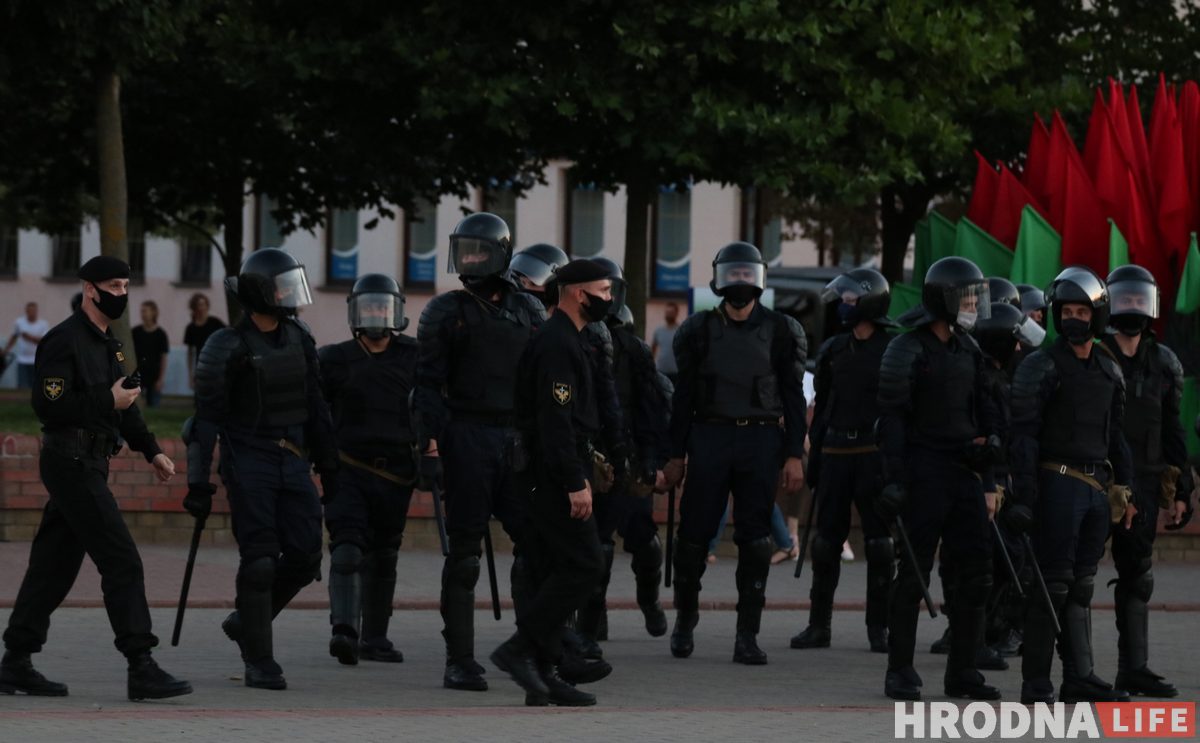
1134 298
619 288
272 282
956 291
999 334
739 274
1079 285
375 307
480 247
860 294
1001 289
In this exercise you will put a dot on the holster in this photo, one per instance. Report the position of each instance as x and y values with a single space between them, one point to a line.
1119 497
1169 486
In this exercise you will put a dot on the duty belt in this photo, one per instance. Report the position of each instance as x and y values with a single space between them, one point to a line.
378 468
849 449
293 448
77 442
741 421
1081 475
502 420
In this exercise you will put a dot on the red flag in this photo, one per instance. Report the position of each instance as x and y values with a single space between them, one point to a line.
1189 119
1075 209
1141 150
1036 158
983 194
1120 120
1175 205
1011 198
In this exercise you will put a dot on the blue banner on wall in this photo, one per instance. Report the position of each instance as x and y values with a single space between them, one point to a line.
343 265
672 276
422 269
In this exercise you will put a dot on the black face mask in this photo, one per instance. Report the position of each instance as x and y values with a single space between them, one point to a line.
112 305
483 285
848 314
740 295
596 309
376 334
1130 325
1077 332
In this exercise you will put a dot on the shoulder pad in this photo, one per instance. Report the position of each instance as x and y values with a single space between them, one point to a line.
440 309
1036 370
1169 361
1108 362
690 333
915 317
599 336
968 341
303 326
798 336
519 300
896 371
335 353
404 340
832 345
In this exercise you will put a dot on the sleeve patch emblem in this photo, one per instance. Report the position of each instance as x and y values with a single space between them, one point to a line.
562 393
53 387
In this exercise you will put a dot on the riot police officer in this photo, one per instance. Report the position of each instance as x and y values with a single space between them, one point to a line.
533 268
258 388
85 409
1004 291
1162 473
644 396
1068 404
1033 303
844 464
469 342
367 381
937 436
741 367
559 404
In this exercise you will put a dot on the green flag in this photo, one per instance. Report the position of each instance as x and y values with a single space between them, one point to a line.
1188 298
904 298
991 255
922 252
1038 257
1189 408
941 241
1118 249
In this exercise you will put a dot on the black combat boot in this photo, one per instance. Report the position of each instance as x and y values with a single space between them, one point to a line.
18 674
903 684
458 612
647 572
881 571
345 601
560 692
826 571
1080 682
1133 643
1037 653
517 657
573 667
689 568
902 681
379 589
754 562
147 681
963 679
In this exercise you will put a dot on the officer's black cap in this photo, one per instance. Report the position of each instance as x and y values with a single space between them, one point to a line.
580 271
103 268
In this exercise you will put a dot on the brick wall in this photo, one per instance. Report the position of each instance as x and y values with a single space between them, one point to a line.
154 511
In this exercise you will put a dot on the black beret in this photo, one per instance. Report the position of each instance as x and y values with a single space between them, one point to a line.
580 271
103 268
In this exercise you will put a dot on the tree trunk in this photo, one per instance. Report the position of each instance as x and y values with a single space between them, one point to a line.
232 199
114 198
637 253
901 206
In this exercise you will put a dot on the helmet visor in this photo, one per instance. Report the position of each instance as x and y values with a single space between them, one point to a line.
376 310
843 288
972 299
1029 334
291 288
1134 298
536 270
619 290
470 256
738 272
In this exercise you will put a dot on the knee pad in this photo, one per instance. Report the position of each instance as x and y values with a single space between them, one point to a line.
384 562
1142 587
824 551
1080 592
649 557
463 573
880 549
463 546
975 583
257 574
757 550
345 558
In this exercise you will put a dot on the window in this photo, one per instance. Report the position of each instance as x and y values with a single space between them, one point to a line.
341 247
671 241
64 255
585 221
195 259
136 241
502 201
8 251
420 246
760 226
268 232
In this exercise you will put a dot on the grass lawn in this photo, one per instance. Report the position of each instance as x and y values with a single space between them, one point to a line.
16 415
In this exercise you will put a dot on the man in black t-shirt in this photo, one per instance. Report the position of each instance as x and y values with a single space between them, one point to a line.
198 330
152 346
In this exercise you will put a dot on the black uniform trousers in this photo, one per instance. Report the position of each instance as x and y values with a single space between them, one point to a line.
1133 548
477 473
273 502
622 513
369 511
849 479
946 506
569 565
725 459
81 518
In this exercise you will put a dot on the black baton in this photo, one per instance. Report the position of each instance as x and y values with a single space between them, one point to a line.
912 559
187 580
1012 571
812 511
1041 582
668 561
